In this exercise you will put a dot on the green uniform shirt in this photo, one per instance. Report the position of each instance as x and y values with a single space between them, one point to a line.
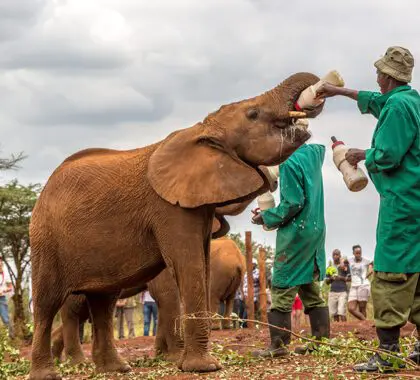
393 164
299 218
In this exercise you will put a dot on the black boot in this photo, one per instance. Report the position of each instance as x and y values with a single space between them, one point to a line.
279 338
319 319
415 355
388 341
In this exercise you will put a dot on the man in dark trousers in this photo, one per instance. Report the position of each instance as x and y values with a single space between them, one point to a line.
299 261
393 164
337 297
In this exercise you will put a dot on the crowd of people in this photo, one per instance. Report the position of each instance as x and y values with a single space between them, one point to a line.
125 310
349 285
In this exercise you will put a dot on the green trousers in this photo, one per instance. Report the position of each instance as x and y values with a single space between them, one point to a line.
282 298
396 299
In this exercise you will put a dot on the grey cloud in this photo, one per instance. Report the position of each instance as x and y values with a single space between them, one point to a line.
18 16
61 90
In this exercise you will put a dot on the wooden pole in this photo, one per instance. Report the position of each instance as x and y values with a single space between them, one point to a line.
250 279
263 293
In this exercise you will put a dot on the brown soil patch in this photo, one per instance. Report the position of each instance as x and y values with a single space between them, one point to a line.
243 341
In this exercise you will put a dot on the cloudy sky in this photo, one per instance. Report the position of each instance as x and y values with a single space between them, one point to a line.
125 73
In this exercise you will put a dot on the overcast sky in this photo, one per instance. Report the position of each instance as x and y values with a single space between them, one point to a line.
125 73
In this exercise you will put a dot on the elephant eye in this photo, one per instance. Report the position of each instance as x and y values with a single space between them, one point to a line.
252 114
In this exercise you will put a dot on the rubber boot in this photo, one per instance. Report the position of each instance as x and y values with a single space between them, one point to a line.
279 338
319 319
388 341
415 354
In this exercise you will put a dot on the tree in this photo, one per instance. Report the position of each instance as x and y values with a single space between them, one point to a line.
12 162
16 204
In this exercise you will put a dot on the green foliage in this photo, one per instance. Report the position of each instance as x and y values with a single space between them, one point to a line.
11 364
16 204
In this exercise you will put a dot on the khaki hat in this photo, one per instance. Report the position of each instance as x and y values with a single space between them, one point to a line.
397 62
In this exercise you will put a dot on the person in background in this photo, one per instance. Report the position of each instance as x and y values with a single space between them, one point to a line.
296 313
129 308
337 297
149 311
125 309
360 285
393 164
239 306
5 289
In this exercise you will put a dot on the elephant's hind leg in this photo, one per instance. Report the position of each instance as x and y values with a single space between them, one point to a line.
227 323
104 354
45 309
73 312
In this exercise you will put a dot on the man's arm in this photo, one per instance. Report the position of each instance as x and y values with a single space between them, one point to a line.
328 90
364 98
292 197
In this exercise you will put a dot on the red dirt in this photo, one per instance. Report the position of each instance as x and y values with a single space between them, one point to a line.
243 341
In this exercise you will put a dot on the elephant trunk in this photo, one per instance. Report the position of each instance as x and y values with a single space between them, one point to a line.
287 92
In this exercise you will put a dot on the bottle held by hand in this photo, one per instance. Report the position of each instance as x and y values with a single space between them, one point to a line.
354 177
307 99
266 201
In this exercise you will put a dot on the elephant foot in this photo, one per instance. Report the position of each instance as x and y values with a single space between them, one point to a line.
115 366
199 363
44 374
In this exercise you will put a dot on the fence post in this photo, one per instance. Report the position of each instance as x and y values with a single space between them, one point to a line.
263 293
250 279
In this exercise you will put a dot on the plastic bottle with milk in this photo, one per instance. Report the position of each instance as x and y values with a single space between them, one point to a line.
266 200
307 99
354 178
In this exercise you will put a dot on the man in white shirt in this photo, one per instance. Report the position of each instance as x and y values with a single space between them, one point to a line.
360 269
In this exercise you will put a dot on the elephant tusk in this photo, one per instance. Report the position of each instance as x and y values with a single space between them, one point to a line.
297 114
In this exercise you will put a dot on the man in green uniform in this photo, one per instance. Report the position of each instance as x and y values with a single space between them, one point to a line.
300 254
393 163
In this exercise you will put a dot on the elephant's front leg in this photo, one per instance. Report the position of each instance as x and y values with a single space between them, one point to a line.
189 261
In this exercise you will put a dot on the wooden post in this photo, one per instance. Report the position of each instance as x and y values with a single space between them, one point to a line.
263 293
250 279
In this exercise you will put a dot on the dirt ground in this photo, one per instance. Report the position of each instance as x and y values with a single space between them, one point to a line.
234 347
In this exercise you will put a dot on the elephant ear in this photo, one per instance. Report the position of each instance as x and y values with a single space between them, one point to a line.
192 168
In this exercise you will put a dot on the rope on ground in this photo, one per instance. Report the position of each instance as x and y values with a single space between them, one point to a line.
210 316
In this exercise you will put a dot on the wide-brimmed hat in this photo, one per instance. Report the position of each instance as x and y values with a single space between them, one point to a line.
397 62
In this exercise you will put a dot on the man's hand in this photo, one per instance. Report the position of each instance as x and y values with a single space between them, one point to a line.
327 90
257 218
354 156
